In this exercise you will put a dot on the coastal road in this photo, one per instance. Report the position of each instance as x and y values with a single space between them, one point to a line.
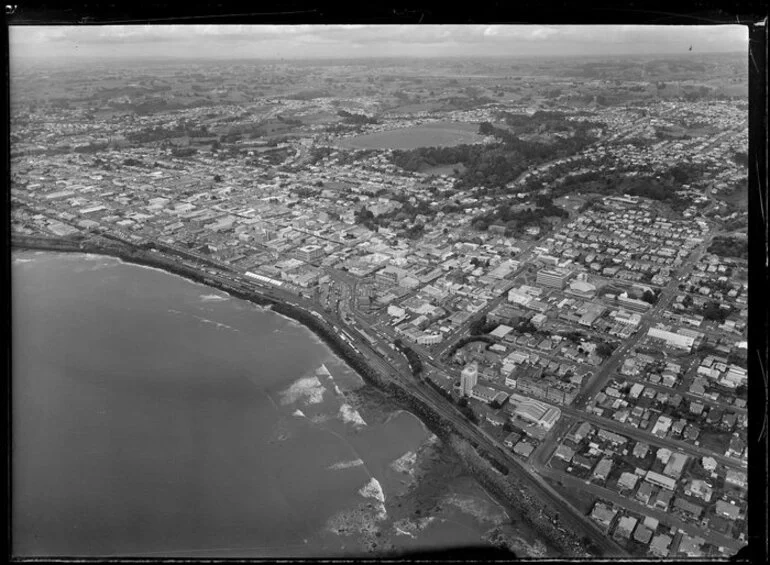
469 431
569 515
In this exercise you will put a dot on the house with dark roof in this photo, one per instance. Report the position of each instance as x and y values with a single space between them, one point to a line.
644 493
582 461
727 510
582 431
663 499
512 439
687 507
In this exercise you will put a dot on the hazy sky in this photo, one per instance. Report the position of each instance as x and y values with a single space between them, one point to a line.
301 41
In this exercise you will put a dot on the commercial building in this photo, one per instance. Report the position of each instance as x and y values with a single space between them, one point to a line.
531 410
672 339
487 394
430 339
582 288
633 303
309 253
555 277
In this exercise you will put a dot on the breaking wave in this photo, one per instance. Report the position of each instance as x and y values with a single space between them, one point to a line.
405 463
308 388
350 415
372 489
346 464
213 298
204 320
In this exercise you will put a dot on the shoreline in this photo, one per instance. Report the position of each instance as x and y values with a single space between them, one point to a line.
430 419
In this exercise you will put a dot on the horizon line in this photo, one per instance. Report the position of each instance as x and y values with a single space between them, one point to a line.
84 57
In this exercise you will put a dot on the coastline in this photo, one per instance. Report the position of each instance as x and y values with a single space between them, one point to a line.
520 502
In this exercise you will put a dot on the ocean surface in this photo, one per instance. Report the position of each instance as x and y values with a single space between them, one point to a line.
153 416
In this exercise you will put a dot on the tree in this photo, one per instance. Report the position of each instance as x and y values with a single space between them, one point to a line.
604 349
649 296
714 312
217 178
476 326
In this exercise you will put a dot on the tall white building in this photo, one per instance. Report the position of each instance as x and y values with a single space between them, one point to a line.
469 377
555 277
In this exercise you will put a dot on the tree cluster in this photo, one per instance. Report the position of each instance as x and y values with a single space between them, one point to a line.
714 312
481 326
357 119
411 356
726 246
516 220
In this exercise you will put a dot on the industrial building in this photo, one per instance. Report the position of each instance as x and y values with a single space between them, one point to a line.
531 410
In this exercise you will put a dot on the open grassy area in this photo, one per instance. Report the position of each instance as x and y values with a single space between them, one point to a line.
440 134
580 499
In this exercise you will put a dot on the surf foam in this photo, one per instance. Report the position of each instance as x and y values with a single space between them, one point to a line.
372 489
213 298
350 415
308 388
346 464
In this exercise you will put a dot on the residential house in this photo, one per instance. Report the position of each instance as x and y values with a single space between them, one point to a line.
663 499
604 515
659 546
727 510
693 510
642 534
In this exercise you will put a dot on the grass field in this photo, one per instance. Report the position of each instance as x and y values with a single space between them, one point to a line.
439 134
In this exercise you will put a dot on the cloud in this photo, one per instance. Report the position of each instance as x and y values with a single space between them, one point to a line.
368 40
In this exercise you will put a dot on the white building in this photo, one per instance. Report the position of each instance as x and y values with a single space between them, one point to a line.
395 311
468 378
535 411
672 339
